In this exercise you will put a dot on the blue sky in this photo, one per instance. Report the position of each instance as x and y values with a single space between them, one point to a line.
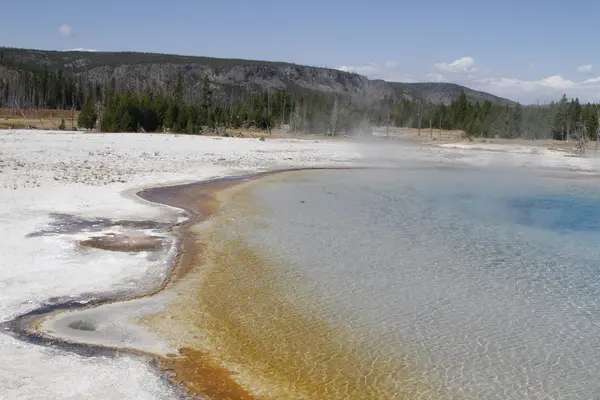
528 50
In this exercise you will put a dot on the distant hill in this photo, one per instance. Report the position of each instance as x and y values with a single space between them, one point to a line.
160 71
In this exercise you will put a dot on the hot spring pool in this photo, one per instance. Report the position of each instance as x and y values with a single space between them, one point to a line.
488 281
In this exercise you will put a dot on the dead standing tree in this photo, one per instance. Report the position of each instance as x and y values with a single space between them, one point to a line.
388 125
430 129
597 131
296 119
420 115
581 138
332 131
99 110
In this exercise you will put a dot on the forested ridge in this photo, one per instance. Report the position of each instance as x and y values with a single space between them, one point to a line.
190 101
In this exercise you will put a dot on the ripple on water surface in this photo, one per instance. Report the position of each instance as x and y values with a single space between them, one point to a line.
485 283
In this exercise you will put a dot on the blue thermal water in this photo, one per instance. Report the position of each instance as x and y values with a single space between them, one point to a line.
488 281
559 213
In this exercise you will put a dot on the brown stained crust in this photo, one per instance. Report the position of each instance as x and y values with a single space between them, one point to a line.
193 369
124 243
200 201
200 377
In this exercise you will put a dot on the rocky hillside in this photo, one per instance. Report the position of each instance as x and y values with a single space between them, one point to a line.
162 72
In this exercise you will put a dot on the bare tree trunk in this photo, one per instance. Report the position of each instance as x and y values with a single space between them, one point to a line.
72 111
295 119
99 109
430 129
388 123
304 118
268 110
334 117
230 111
40 117
283 111
597 131
581 138
420 110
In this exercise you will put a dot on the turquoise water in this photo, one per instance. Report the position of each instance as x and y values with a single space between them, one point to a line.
488 281
562 213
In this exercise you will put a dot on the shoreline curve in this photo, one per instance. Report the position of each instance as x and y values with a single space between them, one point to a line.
27 326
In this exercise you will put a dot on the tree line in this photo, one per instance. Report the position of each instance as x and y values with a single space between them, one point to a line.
106 107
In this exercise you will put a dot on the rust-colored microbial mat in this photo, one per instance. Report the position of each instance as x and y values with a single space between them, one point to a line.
195 370
244 333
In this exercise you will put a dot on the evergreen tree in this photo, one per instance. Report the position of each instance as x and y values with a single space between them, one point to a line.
590 118
207 95
87 118
144 107
459 110
515 119
561 119
171 115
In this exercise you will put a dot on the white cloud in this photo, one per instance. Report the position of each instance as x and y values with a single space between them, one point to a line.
65 30
554 82
545 89
436 77
388 71
462 65
83 49
591 81
557 82
364 69
465 71
586 69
